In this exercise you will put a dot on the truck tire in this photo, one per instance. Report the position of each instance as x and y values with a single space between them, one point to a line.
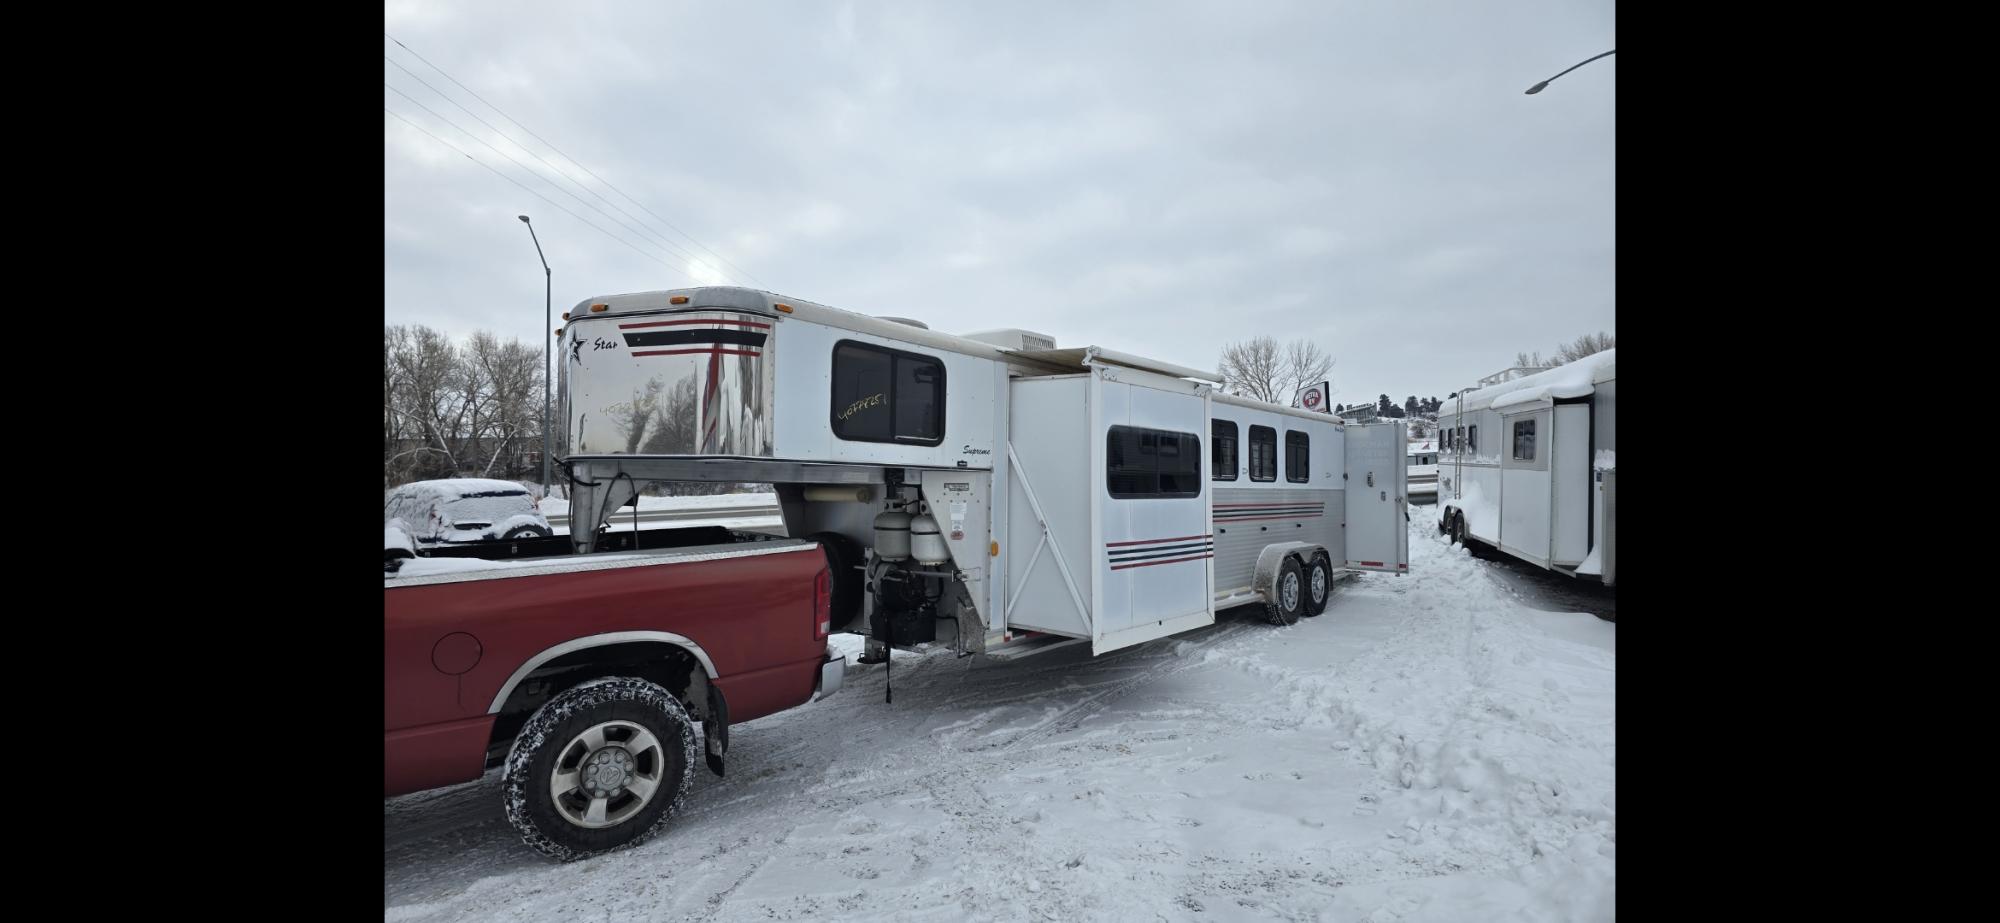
520 532
843 558
599 767
1318 584
1288 594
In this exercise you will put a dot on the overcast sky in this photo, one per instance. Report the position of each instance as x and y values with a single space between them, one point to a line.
1157 178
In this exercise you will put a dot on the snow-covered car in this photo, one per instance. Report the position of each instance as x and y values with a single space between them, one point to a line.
458 510
396 546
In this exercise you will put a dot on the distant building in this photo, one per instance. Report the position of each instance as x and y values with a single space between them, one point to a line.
1359 413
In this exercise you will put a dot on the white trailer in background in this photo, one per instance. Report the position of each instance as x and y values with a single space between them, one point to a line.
1423 463
1529 467
989 491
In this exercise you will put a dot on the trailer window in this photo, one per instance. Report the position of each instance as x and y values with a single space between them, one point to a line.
1143 463
1222 449
1472 439
886 395
1298 457
1263 453
1524 440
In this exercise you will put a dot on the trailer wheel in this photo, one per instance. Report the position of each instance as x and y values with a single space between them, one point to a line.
600 767
1319 584
1457 528
1288 594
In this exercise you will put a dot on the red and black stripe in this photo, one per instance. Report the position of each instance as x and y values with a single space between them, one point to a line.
1152 551
1250 512
718 338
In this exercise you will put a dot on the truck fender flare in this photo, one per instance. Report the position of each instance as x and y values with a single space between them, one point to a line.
589 641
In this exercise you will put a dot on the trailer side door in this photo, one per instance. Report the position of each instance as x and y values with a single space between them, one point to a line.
1378 534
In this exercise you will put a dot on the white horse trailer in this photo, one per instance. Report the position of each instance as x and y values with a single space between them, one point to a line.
989 491
1529 467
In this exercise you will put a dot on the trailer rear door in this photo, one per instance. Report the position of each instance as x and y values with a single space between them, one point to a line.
1378 534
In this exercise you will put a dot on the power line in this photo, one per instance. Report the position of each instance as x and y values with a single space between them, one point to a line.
532 192
580 165
675 251
642 231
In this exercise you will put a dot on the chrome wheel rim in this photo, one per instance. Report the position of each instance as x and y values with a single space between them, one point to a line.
607 774
1289 592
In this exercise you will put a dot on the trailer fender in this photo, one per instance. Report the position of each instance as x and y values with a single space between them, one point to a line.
1272 557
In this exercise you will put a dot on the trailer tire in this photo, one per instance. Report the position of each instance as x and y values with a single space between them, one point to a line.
1288 594
611 732
1457 528
843 559
1318 584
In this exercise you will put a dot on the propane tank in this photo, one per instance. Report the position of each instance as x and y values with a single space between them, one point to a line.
926 545
892 535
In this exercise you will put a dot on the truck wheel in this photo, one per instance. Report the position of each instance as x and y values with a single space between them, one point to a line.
1319 584
520 532
601 766
1288 594
843 557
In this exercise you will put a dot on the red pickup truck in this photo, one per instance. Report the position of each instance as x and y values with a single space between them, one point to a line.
585 676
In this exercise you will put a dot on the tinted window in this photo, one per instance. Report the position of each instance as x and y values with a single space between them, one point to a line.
1142 463
1263 453
1524 440
886 395
919 400
1472 439
1298 459
1222 447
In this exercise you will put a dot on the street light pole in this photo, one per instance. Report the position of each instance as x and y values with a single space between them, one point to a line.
548 330
1537 88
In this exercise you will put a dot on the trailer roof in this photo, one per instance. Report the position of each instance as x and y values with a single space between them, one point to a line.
738 298
1080 358
1241 401
1577 379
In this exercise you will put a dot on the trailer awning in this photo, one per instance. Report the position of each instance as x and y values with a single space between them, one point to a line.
1075 358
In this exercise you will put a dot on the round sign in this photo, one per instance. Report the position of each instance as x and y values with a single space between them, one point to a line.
1312 399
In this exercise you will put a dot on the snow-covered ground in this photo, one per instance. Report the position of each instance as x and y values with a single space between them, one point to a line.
1428 749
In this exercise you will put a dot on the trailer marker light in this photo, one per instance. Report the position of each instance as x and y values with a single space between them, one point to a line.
558 331
597 308
565 315
993 549
678 299
783 307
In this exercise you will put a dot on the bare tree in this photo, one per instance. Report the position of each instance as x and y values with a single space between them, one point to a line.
1532 361
424 394
1259 368
1585 345
449 411
1305 365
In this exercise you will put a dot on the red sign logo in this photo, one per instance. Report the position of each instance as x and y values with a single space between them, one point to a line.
1312 399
